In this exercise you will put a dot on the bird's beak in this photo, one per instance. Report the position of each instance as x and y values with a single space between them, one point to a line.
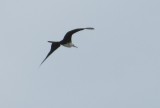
75 46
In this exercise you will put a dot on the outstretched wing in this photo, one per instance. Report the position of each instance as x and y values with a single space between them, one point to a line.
54 46
68 36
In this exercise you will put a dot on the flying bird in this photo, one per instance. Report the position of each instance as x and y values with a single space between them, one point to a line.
66 41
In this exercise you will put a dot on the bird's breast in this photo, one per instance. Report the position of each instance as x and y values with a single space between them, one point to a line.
68 45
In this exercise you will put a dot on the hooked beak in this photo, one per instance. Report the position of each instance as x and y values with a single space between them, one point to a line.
75 46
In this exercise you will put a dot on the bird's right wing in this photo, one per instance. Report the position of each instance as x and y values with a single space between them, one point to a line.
69 34
54 46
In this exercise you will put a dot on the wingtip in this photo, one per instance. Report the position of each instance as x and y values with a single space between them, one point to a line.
40 64
90 28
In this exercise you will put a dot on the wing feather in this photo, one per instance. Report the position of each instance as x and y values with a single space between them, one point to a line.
54 46
68 36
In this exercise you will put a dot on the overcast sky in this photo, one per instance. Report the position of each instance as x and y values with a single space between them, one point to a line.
117 65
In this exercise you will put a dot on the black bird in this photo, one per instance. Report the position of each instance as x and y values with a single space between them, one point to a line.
67 41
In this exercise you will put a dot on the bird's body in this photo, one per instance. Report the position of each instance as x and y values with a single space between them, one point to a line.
66 41
69 45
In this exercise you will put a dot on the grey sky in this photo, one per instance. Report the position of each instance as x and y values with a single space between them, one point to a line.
115 66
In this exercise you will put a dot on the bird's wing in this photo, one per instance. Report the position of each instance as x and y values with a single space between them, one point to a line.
54 46
68 36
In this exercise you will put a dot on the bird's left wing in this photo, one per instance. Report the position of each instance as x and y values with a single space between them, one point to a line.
54 46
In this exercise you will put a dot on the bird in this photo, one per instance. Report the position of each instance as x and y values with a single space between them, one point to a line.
66 41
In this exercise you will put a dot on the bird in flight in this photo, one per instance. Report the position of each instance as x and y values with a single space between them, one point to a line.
67 41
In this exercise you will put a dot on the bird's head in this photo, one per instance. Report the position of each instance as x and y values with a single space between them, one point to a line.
74 46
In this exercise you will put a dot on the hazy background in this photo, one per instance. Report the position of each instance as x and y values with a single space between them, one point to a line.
115 66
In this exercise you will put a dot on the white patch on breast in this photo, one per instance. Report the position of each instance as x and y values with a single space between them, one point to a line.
68 45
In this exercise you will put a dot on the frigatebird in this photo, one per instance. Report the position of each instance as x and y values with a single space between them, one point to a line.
67 41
